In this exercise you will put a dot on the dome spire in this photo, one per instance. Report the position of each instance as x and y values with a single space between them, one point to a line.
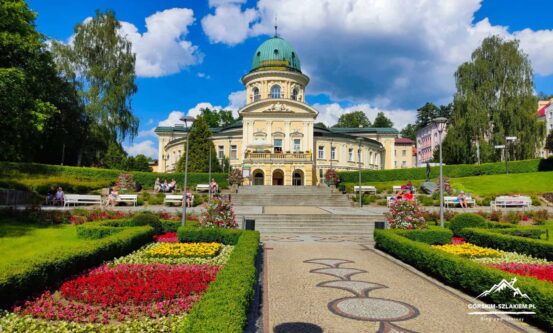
276 27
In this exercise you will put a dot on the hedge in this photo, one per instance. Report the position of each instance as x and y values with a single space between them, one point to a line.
224 306
191 234
528 232
468 275
487 238
27 277
95 231
458 170
466 220
432 236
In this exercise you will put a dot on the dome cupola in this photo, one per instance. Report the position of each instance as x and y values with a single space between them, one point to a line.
275 54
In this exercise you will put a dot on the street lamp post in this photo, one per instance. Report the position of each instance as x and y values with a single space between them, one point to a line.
441 123
331 144
186 119
229 149
360 139
209 175
509 141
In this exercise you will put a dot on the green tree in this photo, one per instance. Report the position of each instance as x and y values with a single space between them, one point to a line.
409 131
101 63
425 114
381 121
549 142
320 124
544 97
353 119
494 99
217 118
199 146
138 163
115 157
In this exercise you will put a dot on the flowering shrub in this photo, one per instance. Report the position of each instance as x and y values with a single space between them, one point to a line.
140 257
331 177
168 237
235 177
218 213
511 257
542 272
125 181
454 240
77 219
468 250
169 250
405 214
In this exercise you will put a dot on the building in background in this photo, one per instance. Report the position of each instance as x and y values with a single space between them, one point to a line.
545 114
276 141
404 153
427 140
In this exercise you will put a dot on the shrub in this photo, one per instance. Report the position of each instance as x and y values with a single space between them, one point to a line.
148 218
95 231
432 237
425 200
26 277
170 226
488 238
235 177
191 234
511 217
331 177
534 233
218 213
404 214
466 274
466 220
540 216
224 306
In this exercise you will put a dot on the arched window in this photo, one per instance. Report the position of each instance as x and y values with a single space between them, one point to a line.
275 91
295 93
256 96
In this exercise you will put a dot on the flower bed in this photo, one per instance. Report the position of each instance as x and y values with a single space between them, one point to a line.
140 257
542 272
175 250
468 250
168 237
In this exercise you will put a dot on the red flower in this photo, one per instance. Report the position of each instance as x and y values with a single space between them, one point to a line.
541 272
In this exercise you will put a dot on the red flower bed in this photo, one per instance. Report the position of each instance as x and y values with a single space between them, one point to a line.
457 240
542 272
124 292
168 237
138 284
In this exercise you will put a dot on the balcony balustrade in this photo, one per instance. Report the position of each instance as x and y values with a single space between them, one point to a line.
279 156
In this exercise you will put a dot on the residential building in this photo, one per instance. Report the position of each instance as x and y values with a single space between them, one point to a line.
405 153
428 139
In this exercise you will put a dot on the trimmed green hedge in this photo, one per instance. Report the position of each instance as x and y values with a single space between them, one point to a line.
432 236
224 306
527 232
488 238
95 231
459 170
468 275
466 220
26 277
191 234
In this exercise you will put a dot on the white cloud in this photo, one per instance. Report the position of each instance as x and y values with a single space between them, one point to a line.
237 100
229 25
173 119
145 147
146 133
203 76
163 48
329 113
393 54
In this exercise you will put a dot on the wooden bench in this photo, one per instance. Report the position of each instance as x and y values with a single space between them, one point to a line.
202 188
127 198
390 200
451 200
397 188
365 189
511 201
175 198
82 199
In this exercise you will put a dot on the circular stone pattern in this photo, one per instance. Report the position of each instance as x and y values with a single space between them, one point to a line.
372 309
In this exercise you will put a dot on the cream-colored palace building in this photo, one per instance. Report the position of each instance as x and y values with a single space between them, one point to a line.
276 142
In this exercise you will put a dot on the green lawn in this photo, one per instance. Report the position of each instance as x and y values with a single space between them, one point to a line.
24 241
520 183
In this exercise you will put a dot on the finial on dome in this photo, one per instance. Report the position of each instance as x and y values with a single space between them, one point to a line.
276 27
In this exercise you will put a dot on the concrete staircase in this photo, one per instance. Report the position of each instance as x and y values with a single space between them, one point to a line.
327 224
289 196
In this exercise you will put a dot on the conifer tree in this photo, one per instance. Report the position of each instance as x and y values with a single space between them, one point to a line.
199 146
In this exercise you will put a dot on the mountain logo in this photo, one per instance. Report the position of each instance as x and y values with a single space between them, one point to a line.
505 285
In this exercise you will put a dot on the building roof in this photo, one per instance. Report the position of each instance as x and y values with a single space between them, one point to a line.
404 141
275 54
377 130
328 133
541 111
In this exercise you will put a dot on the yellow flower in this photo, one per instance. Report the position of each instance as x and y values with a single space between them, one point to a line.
172 250
468 250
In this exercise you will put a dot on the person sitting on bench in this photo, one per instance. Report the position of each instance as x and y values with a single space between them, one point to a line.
112 197
462 199
188 198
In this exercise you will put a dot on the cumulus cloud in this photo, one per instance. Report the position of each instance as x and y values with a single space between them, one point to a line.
146 147
173 119
237 100
229 24
329 113
391 54
163 48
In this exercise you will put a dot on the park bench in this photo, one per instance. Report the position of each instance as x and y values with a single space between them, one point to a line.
454 201
202 188
174 198
397 188
127 198
390 199
81 199
506 201
365 189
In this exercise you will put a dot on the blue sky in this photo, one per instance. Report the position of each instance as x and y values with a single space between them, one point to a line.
371 55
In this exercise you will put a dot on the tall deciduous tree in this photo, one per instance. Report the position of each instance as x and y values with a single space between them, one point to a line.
353 119
494 99
199 146
217 118
382 121
101 63
409 131
549 142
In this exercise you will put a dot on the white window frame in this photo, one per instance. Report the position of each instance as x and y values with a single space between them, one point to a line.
333 153
221 152
350 154
273 91
297 145
233 152
279 146
321 152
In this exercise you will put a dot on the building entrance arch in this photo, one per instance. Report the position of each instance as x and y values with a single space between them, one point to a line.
258 177
298 178
278 177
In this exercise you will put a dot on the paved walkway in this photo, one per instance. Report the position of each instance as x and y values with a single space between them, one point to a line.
337 284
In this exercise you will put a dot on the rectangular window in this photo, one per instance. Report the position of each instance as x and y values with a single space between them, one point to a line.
321 152
221 152
278 145
404 164
404 152
333 153
233 152
350 154
297 145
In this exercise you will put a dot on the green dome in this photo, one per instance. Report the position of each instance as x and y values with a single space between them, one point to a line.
275 54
